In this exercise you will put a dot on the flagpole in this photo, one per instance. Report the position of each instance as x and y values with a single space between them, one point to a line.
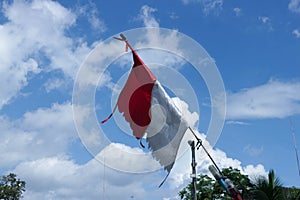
193 175
231 189
199 144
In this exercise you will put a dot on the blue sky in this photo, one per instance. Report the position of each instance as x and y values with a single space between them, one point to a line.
254 44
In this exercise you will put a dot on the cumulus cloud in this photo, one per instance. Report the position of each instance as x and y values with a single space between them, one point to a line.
266 21
180 176
296 33
90 11
129 159
37 143
237 11
253 150
53 84
41 24
208 5
40 133
255 171
294 6
146 15
58 177
160 48
274 99
53 175
35 30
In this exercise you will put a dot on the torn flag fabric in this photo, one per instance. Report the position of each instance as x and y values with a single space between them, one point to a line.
150 111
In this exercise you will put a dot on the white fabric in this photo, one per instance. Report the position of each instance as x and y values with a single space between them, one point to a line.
166 129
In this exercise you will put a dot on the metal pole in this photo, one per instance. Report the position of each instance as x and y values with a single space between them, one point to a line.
199 144
193 175
233 192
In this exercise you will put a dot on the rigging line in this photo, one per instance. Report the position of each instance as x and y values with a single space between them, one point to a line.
104 177
295 144
199 144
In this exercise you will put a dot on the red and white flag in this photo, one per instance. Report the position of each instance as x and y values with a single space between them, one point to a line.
150 111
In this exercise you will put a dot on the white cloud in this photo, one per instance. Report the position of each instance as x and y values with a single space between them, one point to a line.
36 29
37 134
208 5
41 24
90 72
255 171
267 22
38 149
37 143
212 5
173 15
253 150
59 177
90 11
237 11
180 175
294 6
165 46
147 17
191 117
129 159
296 33
53 84
161 47
275 99
264 19
236 122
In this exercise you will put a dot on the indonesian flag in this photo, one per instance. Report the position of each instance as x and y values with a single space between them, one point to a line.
150 111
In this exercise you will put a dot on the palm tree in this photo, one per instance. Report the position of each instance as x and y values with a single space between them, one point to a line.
268 189
291 193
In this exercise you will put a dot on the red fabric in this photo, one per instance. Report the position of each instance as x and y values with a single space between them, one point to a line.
135 98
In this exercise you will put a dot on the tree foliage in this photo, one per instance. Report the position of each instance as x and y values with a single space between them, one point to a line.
268 188
11 187
208 188
264 188
204 188
291 193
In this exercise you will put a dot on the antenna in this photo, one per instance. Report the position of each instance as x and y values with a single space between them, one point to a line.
295 144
